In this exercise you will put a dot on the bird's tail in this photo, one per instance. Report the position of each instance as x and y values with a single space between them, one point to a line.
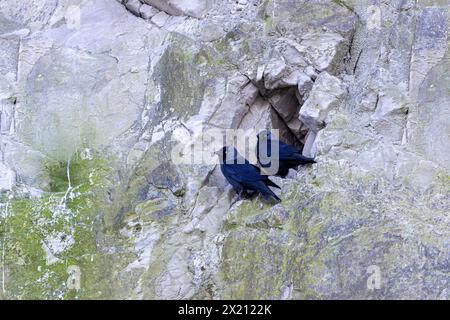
269 193
270 183
276 197
298 159
305 160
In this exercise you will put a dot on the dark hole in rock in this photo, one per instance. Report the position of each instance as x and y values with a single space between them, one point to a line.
285 107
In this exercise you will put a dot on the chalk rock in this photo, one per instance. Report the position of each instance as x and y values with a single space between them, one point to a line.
147 12
160 19
134 6
325 95
193 8
324 50
7 178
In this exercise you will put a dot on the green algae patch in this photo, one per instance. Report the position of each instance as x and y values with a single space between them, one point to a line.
178 72
338 226
49 242
258 264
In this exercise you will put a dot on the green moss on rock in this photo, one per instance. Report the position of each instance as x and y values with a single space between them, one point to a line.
341 221
45 236
182 85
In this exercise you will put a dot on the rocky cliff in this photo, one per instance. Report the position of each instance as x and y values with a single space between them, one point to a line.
95 95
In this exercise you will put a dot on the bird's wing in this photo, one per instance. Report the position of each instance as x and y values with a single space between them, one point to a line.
248 176
287 150
243 172
258 169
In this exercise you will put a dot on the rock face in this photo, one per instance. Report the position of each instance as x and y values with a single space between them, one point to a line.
193 8
98 100
325 95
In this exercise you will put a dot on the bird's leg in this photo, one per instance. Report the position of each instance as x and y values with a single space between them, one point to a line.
240 194
248 194
251 194
245 194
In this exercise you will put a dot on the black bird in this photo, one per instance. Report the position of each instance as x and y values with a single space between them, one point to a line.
243 175
289 156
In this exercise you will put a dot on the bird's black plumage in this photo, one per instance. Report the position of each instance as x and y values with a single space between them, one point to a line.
289 156
243 175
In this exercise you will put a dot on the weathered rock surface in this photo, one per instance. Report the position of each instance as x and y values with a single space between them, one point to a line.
193 8
134 6
325 95
7 178
100 99
147 12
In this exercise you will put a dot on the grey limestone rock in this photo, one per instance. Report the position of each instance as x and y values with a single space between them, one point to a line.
99 108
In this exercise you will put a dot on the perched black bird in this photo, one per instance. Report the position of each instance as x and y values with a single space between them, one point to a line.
289 156
243 175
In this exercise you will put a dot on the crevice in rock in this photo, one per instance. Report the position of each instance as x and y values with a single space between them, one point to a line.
143 10
411 54
343 3
285 104
159 11
377 101
287 130
357 61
